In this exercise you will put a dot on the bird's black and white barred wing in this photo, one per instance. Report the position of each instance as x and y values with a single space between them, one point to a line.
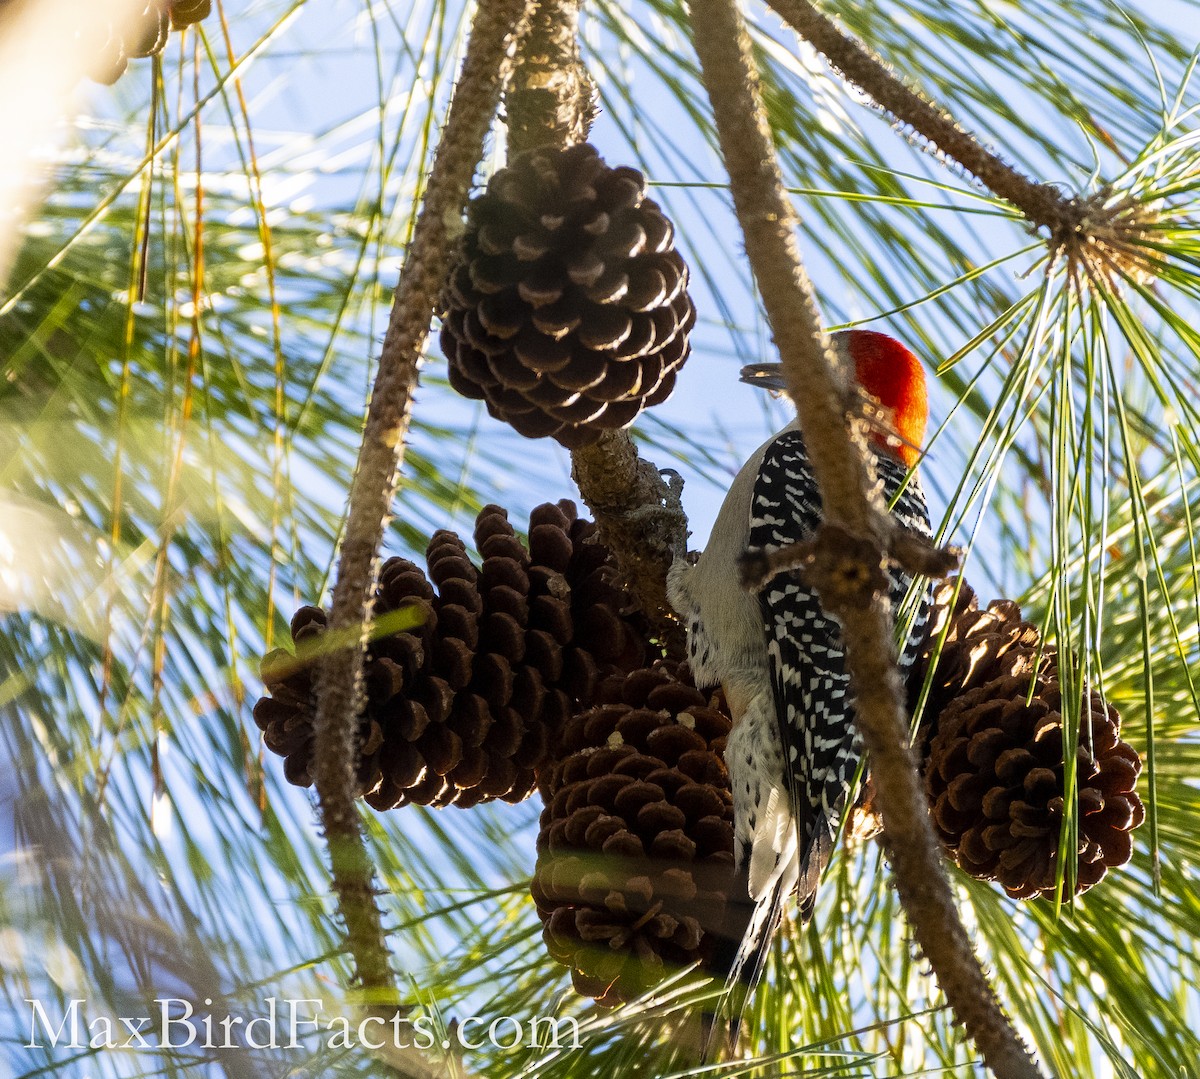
821 746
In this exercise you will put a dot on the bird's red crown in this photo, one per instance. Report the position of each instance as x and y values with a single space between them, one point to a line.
890 372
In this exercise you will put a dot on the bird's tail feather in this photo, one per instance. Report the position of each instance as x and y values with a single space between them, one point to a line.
812 868
766 878
742 962
742 959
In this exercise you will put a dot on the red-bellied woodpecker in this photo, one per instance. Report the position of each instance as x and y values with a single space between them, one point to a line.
794 749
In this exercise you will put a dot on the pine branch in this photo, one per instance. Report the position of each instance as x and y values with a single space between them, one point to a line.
851 545
1042 204
498 24
1101 238
640 520
551 100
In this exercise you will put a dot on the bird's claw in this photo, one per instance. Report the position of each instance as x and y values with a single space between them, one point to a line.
674 482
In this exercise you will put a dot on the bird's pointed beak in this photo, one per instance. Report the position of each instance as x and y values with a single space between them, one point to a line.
767 376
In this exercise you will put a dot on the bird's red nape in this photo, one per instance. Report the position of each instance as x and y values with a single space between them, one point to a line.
889 371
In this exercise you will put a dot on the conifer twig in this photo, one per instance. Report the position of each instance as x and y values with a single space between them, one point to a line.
1102 238
641 521
497 26
1042 204
551 99
851 545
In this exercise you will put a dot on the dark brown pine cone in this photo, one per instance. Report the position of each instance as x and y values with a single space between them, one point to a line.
286 717
466 684
995 783
635 853
145 36
980 647
187 12
567 309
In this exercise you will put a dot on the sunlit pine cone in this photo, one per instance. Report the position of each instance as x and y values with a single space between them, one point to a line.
148 36
566 309
111 59
635 852
995 783
980 646
465 686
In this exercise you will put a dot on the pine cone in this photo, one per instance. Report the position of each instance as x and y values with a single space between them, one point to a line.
187 12
466 685
635 853
567 309
995 784
147 36
993 763
111 60
980 647
286 717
